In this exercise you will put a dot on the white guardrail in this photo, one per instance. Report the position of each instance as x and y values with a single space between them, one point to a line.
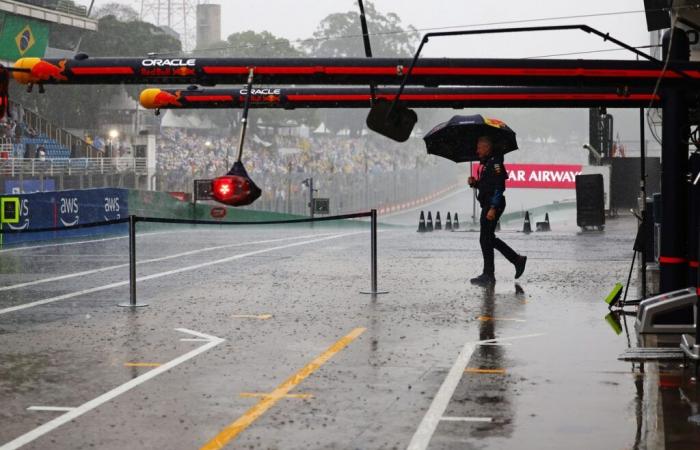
72 166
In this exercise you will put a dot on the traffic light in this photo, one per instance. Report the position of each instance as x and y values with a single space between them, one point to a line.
235 188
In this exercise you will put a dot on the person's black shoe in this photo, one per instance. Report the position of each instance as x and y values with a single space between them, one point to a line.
483 280
520 266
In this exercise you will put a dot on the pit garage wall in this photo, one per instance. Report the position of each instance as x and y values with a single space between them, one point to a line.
66 209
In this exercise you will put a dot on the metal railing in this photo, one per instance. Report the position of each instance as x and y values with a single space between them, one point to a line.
44 127
73 166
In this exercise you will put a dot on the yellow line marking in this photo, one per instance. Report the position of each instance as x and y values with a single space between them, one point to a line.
252 316
263 395
235 428
141 364
485 371
489 318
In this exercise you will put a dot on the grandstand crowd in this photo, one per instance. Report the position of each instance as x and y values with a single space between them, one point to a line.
184 154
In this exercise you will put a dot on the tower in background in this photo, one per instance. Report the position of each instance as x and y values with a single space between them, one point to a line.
175 16
208 25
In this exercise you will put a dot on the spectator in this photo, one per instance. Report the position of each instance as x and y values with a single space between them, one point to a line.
99 145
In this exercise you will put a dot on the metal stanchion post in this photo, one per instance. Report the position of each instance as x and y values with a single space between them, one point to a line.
132 266
373 256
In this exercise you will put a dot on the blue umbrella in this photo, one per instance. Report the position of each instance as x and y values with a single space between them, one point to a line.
456 139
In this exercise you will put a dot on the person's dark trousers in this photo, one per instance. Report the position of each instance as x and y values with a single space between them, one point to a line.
489 241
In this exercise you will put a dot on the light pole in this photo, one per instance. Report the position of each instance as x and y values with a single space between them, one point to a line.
309 182
113 135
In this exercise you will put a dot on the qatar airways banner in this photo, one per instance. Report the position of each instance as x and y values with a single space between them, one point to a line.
539 176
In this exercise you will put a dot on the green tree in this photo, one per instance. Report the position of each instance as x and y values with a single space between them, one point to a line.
339 35
79 106
123 13
254 45
251 44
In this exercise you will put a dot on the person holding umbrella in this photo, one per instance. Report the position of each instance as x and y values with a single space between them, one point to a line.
491 186
471 138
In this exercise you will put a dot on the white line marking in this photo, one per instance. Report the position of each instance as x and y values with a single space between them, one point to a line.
466 419
50 408
497 344
36 433
89 241
421 438
426 429
148 261
193 340
169 272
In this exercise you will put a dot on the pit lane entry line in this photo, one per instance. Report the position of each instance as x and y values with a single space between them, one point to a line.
426 429
169 272
268 401
212 341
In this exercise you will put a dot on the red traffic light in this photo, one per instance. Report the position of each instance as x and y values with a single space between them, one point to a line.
234 190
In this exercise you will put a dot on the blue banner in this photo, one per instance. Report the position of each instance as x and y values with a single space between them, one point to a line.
29 186
66 209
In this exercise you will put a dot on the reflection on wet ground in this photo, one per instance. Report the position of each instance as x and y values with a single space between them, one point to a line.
542 369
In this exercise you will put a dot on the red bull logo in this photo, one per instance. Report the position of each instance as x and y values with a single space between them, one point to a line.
494 122
39 71
158 98
183 72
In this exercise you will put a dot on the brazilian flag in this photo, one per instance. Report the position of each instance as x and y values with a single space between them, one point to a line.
22 37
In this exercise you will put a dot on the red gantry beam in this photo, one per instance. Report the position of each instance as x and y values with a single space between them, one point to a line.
290 98
356 71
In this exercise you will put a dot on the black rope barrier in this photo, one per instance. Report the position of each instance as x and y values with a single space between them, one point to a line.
73 227
264 222
132 220
183 221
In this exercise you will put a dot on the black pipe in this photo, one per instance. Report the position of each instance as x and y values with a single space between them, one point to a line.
584 28
368 47
674 154
643 195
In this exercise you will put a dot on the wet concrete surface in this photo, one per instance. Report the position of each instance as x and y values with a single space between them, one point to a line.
554 381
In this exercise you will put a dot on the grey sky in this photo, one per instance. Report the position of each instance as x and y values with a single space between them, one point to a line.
298 19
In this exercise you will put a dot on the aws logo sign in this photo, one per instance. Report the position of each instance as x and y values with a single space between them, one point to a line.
112 208
23 222
69 210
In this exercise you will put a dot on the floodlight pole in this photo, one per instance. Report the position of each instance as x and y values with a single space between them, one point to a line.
311 197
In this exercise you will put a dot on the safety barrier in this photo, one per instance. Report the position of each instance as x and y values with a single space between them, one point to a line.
132 220
72 212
